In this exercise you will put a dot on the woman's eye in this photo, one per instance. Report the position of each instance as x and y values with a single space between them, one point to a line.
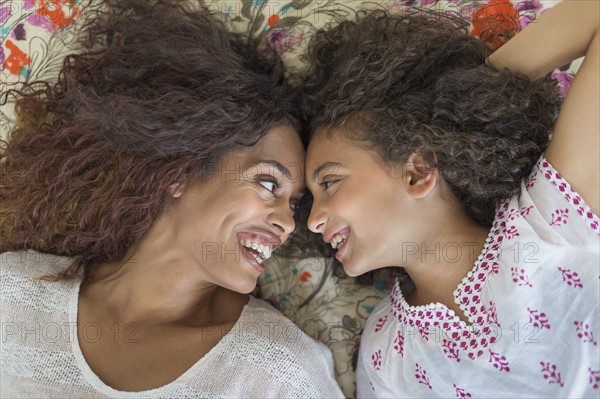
295 206
270 185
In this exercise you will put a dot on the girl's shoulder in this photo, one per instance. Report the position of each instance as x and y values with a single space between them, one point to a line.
553 208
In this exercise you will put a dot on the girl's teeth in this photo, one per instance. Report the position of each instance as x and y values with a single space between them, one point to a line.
336 241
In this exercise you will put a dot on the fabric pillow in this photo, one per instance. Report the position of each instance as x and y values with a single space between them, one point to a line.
36 35
335 315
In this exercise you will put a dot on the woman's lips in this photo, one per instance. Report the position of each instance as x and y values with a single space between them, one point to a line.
251 260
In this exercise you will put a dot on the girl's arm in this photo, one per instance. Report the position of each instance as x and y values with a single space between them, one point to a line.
566 32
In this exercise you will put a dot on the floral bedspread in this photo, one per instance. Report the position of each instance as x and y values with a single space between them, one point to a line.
35 35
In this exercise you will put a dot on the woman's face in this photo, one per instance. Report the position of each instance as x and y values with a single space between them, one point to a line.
358 202
231 222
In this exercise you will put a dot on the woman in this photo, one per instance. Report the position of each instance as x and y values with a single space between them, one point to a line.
426 158
153 180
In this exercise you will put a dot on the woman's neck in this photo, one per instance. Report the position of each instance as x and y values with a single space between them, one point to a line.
158 287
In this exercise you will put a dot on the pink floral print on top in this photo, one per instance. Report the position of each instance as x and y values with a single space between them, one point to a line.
531 303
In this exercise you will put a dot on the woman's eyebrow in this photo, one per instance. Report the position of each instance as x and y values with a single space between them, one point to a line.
276 164
326 165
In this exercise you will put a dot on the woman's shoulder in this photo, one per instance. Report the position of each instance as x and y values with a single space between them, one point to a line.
280 329
267 330
26 297
32 264
21 278
276 347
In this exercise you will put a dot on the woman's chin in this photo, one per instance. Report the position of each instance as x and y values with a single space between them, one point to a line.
246 287
242 285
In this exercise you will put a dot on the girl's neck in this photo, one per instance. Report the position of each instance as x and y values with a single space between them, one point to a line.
444 260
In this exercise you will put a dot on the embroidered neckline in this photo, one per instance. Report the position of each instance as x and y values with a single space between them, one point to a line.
480 332
482 329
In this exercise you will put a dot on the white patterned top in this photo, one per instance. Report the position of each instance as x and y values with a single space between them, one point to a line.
532 301
264 356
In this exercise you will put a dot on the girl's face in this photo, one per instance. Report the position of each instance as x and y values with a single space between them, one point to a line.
231 222
360 204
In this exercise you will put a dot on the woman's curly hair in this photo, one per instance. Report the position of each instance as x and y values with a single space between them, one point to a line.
417 82
156 95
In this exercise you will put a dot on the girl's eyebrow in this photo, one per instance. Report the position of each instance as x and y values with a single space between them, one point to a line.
322 167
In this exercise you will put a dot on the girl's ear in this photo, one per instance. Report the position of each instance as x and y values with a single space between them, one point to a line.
420 174
176 189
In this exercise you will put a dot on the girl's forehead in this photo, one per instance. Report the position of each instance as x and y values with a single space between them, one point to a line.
332 143
326 137
331 147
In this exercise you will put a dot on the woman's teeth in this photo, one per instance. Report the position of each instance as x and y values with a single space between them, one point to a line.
337 240
263 250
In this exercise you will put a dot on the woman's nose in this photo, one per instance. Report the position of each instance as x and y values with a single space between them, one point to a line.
282 219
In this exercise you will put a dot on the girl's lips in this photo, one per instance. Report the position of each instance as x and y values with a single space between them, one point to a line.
341 248
330 236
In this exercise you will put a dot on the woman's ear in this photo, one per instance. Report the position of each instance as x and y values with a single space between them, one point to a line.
176 189
420 173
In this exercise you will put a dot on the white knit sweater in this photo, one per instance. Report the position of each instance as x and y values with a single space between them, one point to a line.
263 356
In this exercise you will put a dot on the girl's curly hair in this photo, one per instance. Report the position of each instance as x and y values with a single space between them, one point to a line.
157 94
417 82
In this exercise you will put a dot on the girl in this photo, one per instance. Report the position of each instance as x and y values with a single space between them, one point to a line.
428 155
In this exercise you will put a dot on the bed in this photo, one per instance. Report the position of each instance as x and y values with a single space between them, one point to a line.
37 34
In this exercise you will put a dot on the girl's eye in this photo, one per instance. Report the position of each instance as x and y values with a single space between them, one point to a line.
270 184
327 183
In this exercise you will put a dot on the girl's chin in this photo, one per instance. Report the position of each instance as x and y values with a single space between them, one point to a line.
351 270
